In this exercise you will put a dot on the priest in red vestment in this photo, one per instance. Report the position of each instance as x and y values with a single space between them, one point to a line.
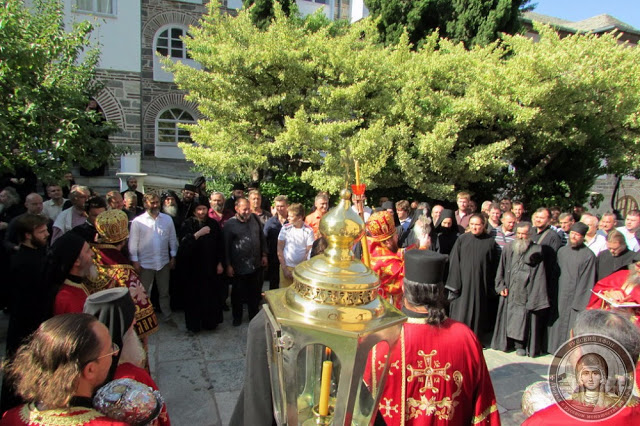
437 373
57 372
387 258
115 270
622 287
68 263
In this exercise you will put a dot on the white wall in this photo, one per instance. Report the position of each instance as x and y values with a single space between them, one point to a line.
118 36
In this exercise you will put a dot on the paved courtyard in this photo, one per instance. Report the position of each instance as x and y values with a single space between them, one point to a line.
201 375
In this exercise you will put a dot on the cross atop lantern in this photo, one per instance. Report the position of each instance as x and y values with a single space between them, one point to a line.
322 329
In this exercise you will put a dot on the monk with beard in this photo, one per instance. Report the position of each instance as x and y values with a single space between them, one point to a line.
522 286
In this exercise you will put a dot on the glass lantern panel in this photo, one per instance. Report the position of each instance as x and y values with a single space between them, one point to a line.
370 388
317 374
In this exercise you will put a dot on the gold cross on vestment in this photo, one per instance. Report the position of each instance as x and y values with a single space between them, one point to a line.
432 368
387 408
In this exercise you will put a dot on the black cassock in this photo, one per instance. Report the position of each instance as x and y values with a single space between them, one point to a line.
608 264
197 261
524 276
577 277
472 271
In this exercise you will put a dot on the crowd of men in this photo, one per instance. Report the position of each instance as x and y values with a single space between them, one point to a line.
517 282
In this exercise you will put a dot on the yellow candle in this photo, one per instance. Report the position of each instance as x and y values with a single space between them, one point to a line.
357 173
325 388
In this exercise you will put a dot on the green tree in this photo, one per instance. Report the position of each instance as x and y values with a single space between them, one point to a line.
262 11
46 79
471 22
539 120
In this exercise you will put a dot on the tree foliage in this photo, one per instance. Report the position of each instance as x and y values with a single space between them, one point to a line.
262 11
537 119
468 21
46 79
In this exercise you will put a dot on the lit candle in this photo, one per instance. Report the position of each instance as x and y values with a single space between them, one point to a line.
325 388
357 173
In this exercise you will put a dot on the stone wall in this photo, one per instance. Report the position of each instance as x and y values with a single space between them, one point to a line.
627 198
120 102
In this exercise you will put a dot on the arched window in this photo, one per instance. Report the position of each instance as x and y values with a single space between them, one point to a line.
169 133
168 41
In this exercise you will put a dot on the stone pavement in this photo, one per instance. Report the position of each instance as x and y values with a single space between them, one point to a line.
201 375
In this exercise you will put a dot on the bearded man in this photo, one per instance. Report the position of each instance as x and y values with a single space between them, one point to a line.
115 270
387 259
217 210
522 284
200 256
471 281
577 266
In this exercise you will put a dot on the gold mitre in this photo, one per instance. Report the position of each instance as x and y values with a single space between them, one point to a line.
113 226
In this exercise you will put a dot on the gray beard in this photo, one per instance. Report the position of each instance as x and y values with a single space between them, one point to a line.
520 246
132 349
170 210
218 209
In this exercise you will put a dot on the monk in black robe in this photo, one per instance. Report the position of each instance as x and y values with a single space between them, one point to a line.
472 270
445 233
616 257
200 258
522 285
577 265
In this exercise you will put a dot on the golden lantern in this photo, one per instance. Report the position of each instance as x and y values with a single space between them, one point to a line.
322 329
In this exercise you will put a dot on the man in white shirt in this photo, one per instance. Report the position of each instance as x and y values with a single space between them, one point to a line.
53 206
631 225
294 243
592 239
74 215
153 246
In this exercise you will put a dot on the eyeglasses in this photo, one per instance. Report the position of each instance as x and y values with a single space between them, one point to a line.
115 350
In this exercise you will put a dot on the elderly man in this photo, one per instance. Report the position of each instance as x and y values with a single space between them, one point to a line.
115 200
132 185
463 393
58 370
522 284
73 216
387 259
577 266
153 246
114 269
505 232
616 257
53 206
631 226
435 213
130 206
313 219
596 242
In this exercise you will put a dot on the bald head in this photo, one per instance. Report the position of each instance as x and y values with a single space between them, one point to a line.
34 203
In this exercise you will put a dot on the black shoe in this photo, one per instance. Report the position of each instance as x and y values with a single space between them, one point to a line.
237 322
